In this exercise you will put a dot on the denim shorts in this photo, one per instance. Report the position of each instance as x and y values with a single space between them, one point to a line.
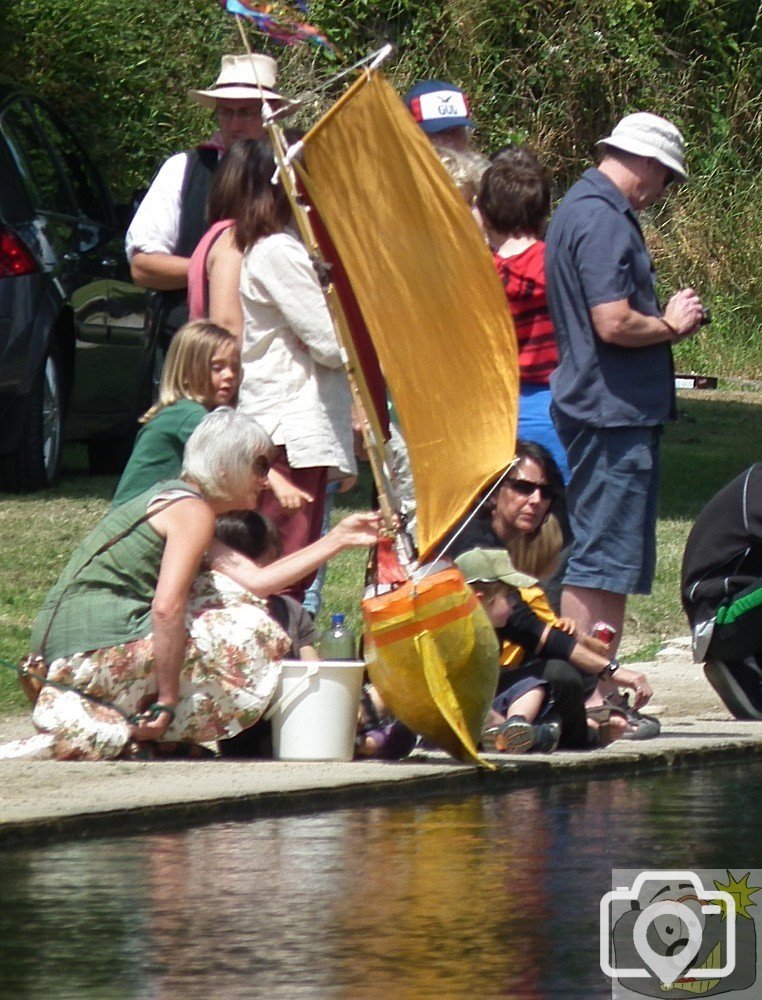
612 499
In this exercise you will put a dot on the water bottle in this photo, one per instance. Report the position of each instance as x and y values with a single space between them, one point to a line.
337 642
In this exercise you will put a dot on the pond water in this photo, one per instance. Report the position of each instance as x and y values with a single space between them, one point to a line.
487 896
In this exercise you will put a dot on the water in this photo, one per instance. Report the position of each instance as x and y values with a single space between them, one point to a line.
484 897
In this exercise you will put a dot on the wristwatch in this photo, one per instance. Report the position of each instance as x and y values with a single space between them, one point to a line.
610 669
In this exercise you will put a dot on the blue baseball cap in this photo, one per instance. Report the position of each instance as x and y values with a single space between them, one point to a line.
437 106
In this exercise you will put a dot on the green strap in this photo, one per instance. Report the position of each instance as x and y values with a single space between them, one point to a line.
729 613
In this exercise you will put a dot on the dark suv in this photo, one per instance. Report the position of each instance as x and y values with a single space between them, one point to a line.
78 346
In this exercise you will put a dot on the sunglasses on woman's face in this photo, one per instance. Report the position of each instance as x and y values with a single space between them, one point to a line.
262 465
526 488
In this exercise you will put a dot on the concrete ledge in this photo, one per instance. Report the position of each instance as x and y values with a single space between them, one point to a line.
44 800
48 799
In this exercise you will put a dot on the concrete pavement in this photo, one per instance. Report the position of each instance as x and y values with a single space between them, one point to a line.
41 799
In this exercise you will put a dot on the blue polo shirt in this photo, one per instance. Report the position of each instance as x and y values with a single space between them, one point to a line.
595 253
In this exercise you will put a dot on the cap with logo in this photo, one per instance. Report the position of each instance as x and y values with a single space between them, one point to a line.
437 106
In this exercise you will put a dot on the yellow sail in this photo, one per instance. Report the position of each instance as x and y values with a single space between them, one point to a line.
428 292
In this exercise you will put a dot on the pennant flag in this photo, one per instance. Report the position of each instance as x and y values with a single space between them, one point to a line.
279 21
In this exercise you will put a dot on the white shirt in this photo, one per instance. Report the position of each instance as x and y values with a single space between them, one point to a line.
293 380
156 225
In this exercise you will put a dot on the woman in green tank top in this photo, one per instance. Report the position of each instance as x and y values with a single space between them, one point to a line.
120 628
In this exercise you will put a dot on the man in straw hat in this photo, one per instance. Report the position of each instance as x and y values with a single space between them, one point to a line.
614 386
171 218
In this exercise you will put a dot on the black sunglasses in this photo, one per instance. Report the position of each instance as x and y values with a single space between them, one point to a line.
526 488
262 465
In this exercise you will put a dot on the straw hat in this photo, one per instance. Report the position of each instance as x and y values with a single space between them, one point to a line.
242 78
650 136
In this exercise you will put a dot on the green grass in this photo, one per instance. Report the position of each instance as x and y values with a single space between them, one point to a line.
714 439
717 436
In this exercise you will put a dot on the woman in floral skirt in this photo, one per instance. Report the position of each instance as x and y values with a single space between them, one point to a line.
136 659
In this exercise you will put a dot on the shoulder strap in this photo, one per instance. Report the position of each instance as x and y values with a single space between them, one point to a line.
172 498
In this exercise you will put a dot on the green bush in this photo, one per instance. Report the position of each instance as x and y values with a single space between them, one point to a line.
554 73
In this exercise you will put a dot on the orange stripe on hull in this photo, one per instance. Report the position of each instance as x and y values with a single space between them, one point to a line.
430 623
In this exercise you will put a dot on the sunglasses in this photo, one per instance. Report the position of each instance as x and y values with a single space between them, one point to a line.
526 488
261 465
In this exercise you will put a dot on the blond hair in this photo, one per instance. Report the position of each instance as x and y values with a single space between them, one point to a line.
465 168
187 372
537 555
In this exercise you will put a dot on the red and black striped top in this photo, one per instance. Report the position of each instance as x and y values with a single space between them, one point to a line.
523 278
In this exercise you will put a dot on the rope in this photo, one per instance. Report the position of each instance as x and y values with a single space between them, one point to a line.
468 520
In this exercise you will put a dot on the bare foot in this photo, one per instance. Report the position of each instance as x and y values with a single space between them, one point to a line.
607 732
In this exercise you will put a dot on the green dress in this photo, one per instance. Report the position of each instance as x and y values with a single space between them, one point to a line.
104 598
159 447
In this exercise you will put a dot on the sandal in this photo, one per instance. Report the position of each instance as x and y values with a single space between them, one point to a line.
602 729
639 726
138 750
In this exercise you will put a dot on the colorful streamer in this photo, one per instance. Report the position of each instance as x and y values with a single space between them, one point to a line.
279 21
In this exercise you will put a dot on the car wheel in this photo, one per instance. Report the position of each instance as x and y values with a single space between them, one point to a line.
36 463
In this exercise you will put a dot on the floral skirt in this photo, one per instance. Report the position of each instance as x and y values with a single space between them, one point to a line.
231 669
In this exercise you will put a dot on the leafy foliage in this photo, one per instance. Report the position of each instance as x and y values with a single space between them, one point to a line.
554 73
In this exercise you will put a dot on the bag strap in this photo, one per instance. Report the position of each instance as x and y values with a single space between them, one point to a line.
149 513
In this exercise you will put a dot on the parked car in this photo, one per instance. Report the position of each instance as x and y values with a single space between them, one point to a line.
79 348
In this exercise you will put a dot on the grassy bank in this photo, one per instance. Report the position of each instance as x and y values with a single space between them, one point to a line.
716 437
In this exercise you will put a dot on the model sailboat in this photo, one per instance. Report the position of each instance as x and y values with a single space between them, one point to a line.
414 279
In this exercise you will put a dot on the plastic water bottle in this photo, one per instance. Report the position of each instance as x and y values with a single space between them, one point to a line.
338 642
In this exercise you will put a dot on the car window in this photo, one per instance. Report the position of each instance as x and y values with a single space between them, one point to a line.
14 201
42 176
84 182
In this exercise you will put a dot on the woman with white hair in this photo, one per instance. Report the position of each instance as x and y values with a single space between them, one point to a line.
132 663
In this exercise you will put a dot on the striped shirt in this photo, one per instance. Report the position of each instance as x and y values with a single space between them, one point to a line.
523 277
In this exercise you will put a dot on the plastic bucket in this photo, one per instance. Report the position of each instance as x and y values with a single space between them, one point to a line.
314 714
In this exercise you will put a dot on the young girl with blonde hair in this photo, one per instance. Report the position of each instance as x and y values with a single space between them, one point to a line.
202 371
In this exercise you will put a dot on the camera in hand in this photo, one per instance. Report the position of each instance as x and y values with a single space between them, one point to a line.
706 316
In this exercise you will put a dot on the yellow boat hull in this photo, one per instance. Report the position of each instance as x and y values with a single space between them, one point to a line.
433 656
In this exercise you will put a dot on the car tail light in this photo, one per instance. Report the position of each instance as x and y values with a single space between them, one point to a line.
15 257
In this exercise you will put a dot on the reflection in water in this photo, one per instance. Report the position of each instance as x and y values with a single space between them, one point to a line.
492 896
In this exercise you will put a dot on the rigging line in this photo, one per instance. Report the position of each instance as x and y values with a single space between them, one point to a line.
373 60
496 485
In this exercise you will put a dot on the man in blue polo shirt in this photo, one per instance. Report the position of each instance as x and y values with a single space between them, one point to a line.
614 385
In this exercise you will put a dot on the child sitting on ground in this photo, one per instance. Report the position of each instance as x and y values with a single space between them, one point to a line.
529 714
254 535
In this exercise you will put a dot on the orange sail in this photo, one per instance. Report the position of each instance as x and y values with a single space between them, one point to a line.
427 289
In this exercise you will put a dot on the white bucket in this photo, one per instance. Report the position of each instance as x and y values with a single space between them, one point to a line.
314 712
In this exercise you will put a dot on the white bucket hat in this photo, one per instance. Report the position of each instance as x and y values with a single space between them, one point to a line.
242 78
651 136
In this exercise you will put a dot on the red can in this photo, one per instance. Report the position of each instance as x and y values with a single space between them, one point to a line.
604 632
